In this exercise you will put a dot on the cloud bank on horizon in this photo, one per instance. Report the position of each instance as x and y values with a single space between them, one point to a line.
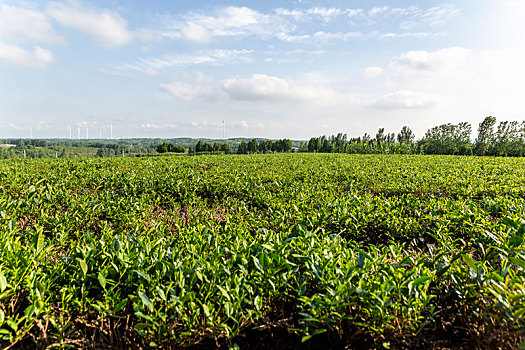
291 69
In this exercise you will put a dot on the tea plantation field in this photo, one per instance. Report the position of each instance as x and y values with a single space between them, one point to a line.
263 251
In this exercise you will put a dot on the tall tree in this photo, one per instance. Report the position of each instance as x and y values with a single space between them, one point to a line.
485 136
243 148
448 139
380 136
252 146
199 147
507 139
405 135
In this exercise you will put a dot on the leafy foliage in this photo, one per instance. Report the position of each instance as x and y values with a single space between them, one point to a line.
175 251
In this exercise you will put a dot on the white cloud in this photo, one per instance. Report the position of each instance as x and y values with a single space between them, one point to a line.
289 24
416 35
431 17
106 27
25 24
243 124
354 13
152 66
323 36
406 99
17 23
189 88
38 58
454 82
326 13
424 61
439 14
183 91
376 11
196 32
373 72
266 88
309 89
155 126
405 11
295 14
16 127
292 38
227 21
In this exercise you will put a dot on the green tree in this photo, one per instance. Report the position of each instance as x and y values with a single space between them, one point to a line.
380 136
448 139
243 148
200 147
507 139
405 135
178 149
252 146
314 145
165 147
485 137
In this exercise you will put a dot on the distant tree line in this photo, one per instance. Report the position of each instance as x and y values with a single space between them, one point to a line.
216 147
506 138
170 147
264 146
382 143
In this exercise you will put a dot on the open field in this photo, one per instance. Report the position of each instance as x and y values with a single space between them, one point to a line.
360 250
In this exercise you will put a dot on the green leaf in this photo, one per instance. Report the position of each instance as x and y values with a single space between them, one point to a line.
30 310
146 301
3 282
319 331
161 293
493 237
306 338
518 262
420 280
120 305
228 308
39 288
258 303
257 264
224 292
143 275
83 266
362 257
511 223
469 261
40 242
102 280
206 310
361 260
519 313
442 270
516 240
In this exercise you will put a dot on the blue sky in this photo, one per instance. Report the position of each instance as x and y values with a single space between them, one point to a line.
273 69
